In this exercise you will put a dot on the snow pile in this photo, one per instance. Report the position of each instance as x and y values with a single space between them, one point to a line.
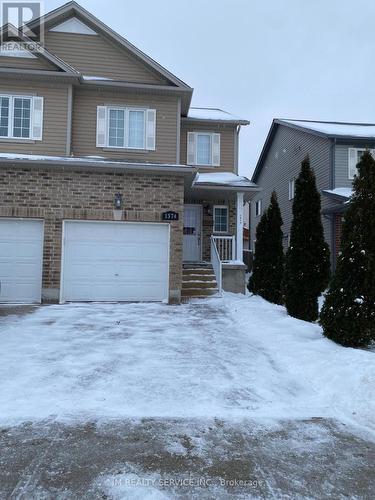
233 357
337 381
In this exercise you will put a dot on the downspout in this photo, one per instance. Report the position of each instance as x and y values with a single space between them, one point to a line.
69 121
178 140
332 184
236 147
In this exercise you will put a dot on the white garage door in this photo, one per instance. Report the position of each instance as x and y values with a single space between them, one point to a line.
115 261
21 257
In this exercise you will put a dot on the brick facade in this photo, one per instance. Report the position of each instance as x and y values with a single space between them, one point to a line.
338 229
57 195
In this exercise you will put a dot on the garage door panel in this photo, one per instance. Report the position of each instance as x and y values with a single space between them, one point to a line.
21 256
120 252
20 270
115 261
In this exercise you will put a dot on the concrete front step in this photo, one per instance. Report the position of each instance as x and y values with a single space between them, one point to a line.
198 280
194 292
197 271
198 265
188 285
198 277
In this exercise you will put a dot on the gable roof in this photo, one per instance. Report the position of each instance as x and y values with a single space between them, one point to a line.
9 30
73 9
73 25
333 129
326 129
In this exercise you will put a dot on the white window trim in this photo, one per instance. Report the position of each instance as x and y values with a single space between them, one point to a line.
127 110
351 177
211 135
258 203
372 151
214 217
292 189
10 135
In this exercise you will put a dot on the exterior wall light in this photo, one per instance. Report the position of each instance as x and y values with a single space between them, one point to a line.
118 201
208 209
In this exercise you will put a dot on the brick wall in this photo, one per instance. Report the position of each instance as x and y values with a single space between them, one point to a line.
338 229
58 195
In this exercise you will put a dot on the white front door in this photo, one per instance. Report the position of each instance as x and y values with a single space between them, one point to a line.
192 233
115 261
21 259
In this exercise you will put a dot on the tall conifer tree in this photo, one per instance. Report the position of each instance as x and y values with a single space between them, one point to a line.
307 266
268 267
348 314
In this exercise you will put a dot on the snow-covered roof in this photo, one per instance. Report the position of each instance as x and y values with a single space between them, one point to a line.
91 161
94 78
342 192
214 114
223 179
336 129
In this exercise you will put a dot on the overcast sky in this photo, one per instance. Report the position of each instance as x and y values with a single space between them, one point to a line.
259 59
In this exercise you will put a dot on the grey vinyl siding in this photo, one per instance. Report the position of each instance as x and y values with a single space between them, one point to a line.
342 162
26 63
227 144
54 118
84 124
283 163
95 56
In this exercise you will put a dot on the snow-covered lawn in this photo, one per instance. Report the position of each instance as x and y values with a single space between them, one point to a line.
233 357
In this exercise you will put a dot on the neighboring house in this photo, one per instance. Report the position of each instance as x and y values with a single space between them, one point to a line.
109 180
334 150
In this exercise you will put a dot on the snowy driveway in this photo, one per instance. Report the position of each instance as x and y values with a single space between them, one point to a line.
234 363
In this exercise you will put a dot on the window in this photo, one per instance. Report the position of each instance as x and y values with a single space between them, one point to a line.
4 116
203 149
136 127
292 187
128 128
220 219
354 157
116 132
21 117
258 208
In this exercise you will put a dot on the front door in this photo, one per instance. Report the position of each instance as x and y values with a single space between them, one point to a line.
192 233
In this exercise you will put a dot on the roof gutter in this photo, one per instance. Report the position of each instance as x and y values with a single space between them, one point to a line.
218 122
98 165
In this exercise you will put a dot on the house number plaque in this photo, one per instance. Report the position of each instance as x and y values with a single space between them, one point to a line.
170 216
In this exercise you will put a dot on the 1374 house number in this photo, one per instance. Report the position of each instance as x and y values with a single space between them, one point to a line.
170 216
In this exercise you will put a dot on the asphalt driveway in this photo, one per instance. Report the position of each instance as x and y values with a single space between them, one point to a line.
223 398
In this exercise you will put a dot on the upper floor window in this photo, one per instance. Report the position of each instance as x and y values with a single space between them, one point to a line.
220 219
258 208
354 157
130 128
292 188
21 117
203 149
